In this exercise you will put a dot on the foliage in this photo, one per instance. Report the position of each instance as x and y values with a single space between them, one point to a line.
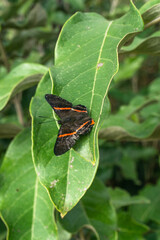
106 58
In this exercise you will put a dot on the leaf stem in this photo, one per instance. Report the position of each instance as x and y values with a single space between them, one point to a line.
4 56
135 84
155 21
81 234
18 108
17 98
151 101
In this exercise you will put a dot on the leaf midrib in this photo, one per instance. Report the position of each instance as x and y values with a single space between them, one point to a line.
99 57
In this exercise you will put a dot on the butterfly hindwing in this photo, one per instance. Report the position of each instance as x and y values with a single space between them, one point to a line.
65 139
69 134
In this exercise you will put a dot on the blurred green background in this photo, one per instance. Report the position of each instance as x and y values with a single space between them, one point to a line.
28 34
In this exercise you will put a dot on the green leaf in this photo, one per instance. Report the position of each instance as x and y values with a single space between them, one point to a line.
20 78
125 124
76 4
130 229
35 18
62 233
3 231
152 211
147 45
148 5
94 212
24 204
20 40
85 62
151 44
121 198
124 160
151 13
128 68
59 17
9 130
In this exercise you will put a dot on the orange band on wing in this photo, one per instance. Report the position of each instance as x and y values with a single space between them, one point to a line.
76 110
68 134
93 122
57 108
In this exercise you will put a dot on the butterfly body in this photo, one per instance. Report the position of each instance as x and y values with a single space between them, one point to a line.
74 121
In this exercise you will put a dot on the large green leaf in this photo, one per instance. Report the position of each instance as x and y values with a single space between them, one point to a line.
147 45
35 18
130 229
86 59
148 5
121 198
95 212
152 211
25 206
151 44
20 78
126 124
9 130
128 68
151 13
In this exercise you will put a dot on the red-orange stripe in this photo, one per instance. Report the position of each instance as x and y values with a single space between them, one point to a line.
68 134
93 122
82 125
57 108
76 110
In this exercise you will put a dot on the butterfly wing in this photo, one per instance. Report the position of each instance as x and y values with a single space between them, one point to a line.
74 122
69 133
60 105
66 139
65 110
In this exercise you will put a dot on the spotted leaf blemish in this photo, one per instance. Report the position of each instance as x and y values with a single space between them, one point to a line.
53 184
99 65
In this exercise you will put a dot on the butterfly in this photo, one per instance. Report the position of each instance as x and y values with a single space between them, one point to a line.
74 121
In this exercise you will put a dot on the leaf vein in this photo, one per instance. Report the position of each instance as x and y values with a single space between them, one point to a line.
99 57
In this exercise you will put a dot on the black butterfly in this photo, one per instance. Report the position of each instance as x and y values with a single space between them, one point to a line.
74 121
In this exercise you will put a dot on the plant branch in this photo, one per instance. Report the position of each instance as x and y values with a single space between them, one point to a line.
135 84
151 101
4 56
18 108
81 234
155 21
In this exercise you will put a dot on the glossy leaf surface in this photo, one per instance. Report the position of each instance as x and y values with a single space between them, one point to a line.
86 59
151 211
127 123
95 212
25 206
20 78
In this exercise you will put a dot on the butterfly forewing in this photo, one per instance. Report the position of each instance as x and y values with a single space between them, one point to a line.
60 105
